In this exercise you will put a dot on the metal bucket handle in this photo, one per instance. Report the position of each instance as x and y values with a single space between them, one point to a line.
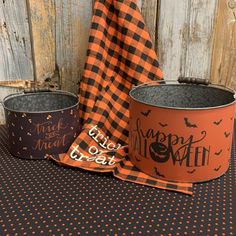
188 80
193 80
26 90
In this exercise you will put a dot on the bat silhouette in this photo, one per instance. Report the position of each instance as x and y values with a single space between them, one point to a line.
137 158
217 122
227 134
216 169
158 173
218 153
145 113
191 171
162 125
188 124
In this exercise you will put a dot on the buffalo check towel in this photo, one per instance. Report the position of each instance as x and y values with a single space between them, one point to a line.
120 55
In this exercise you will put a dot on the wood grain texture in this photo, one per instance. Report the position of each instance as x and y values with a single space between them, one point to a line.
73 20
15 49
199 41
149 12
42 23
139 3
185 37
223 68
172 35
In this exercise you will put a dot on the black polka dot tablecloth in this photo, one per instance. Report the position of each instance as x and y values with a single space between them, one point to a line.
41 198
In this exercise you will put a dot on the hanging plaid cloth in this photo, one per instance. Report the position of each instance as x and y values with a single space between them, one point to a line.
120 55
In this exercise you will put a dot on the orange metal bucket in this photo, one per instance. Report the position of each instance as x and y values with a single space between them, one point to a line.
181 131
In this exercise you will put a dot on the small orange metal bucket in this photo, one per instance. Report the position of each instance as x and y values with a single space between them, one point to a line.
181 131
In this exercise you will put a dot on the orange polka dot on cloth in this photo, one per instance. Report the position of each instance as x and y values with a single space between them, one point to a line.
41 198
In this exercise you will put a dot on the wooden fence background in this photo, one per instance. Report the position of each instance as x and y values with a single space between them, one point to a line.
42 39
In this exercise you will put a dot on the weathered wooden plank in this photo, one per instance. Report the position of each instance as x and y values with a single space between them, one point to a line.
139 3
223 68
199 41
73 20
15 83
149 12
15 49
172 36
42 24
185 37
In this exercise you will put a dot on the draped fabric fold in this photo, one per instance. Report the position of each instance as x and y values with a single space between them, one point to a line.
120 54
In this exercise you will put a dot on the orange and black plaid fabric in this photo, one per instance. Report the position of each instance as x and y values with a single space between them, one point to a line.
120 55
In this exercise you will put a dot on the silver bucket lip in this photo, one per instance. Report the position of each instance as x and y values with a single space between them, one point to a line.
20 94
172 83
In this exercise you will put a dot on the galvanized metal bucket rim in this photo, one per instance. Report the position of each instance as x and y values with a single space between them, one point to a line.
35 93
175 83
